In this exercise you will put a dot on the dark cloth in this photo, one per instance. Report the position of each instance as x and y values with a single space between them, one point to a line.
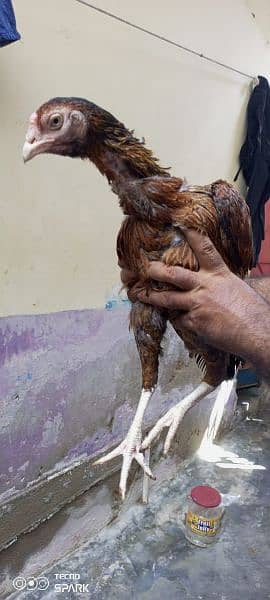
255 159
8 31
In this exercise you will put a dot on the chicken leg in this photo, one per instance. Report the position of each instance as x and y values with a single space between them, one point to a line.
148 325
130 447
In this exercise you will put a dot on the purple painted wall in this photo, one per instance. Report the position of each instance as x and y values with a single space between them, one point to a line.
69 383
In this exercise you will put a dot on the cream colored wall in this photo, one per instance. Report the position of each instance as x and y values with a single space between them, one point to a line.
58 218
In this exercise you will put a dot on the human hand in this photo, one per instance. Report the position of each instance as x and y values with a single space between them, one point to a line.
212 302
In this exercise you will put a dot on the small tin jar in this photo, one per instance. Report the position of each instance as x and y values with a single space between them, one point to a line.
204 515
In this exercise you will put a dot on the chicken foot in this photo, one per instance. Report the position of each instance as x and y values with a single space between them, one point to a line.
130 447
175 415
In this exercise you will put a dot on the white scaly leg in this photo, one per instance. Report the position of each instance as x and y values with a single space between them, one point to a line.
130 448
226 394
173 417
145 490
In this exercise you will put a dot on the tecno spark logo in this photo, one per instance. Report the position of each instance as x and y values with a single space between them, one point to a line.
63 583
31 583
70 582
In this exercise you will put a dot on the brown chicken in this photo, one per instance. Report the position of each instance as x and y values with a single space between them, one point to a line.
159 208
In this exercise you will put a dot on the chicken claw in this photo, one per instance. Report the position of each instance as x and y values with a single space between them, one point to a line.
171 419
130 449
174 416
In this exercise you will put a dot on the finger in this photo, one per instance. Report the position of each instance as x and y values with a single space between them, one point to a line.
140 459
169 299
182 320
178 276
171 433
204 250
124 474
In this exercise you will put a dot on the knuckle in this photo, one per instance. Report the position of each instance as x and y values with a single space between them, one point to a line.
171 272
170 301
207 246
163 299
188 321
192 279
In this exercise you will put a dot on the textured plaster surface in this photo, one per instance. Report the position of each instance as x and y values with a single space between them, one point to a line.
69 383
143 554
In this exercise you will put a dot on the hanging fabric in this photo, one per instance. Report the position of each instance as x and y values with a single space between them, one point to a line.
255 159
8 31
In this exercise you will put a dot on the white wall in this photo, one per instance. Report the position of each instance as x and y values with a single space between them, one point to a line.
58 218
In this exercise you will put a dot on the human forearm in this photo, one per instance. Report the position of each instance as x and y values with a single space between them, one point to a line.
251 336
259 354
259 351
261 285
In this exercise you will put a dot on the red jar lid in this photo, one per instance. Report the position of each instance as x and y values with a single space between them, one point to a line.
205 496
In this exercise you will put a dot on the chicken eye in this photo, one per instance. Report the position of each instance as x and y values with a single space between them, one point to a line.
56 121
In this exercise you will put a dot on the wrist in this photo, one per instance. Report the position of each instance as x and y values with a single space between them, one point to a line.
261 285
256 343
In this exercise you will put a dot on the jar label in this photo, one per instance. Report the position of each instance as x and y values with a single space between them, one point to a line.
201 525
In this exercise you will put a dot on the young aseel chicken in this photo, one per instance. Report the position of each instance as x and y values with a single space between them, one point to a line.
159 209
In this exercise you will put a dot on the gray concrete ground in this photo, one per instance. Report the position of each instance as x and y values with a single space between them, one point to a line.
143 554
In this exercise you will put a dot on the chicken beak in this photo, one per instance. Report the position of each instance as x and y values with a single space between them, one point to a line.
27 152
30 150
32 145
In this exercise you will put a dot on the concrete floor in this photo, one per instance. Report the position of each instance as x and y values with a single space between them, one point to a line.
143 553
